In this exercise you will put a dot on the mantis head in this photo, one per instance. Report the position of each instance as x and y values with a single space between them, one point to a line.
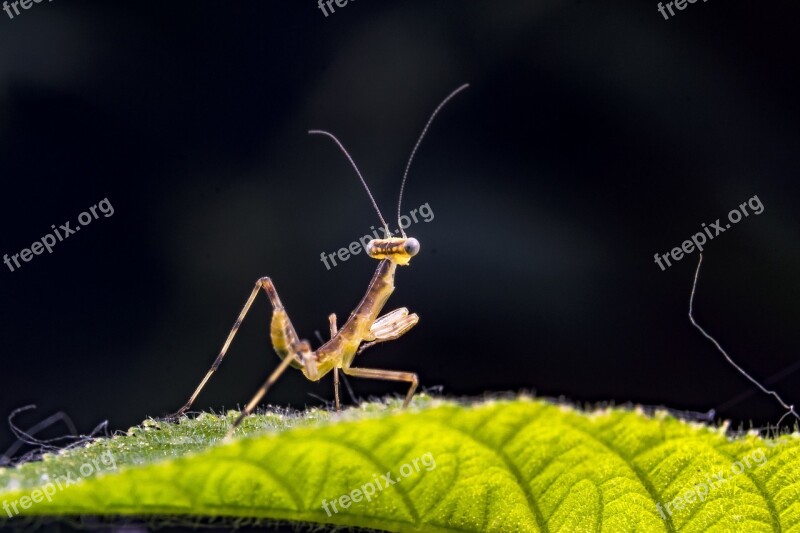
397 249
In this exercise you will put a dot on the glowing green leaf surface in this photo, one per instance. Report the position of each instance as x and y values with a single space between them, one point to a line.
504 465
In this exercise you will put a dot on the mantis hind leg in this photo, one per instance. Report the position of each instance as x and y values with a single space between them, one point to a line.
303 352
263 283
387 375
334 330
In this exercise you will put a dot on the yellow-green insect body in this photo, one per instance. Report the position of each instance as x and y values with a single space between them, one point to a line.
363 328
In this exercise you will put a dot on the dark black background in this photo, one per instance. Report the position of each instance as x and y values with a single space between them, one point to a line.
594 135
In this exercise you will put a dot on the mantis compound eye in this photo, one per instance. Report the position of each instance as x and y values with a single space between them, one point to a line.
411 246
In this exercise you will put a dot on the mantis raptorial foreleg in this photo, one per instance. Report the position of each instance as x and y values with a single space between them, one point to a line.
389 327
393 325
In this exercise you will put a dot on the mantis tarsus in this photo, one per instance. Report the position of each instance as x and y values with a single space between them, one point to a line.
364 328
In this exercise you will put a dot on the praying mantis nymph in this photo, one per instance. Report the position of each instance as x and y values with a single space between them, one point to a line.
364 328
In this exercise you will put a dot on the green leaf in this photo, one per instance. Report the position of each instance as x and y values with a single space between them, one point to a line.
501 465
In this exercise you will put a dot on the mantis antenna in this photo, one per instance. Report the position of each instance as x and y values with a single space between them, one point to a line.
414 151
347 155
